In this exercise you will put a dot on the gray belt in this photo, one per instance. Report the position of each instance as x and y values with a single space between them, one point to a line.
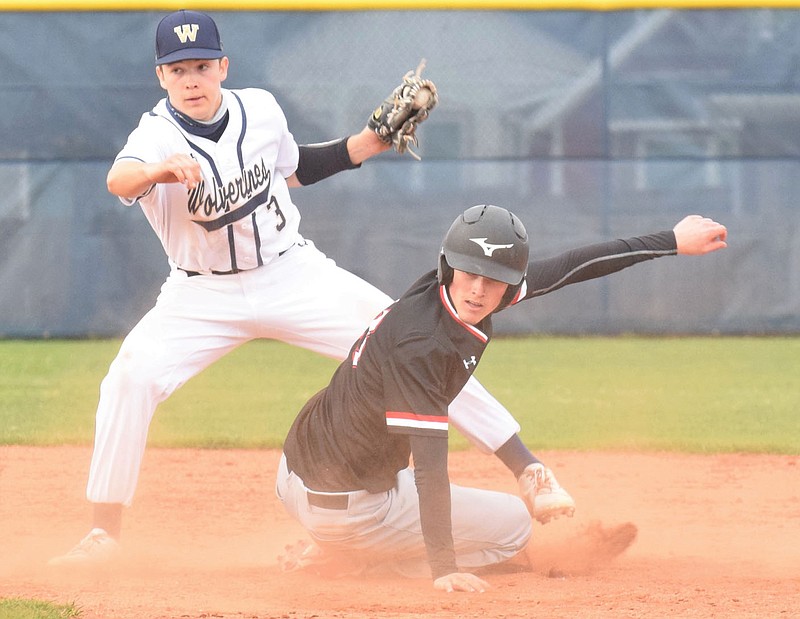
328 501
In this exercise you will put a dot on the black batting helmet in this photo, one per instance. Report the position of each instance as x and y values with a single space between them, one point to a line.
486 240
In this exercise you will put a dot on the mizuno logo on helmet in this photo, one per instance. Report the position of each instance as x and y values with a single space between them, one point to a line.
488 248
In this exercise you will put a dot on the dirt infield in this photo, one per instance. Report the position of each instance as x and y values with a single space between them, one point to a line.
717 537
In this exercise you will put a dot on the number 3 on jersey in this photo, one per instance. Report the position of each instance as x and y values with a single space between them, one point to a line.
281 218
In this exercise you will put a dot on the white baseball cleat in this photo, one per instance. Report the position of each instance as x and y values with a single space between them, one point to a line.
97 548
545 498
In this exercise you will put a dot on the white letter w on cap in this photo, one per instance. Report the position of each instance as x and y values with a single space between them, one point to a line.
187 32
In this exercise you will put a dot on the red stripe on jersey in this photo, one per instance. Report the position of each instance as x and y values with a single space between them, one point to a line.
430 418
452 311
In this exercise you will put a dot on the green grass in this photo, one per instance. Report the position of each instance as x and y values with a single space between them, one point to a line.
15 608
715 394
675 394
49 391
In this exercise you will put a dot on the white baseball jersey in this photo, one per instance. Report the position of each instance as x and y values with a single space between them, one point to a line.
241 215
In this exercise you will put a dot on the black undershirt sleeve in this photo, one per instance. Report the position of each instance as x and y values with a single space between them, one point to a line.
319 161
592 261
433 487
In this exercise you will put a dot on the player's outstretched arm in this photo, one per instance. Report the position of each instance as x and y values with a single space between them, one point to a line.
460 581
696 235
128 178
319 161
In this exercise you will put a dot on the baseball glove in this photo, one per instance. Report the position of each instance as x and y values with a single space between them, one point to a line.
395 120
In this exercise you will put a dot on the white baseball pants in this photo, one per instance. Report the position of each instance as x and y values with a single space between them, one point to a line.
488 527
301 298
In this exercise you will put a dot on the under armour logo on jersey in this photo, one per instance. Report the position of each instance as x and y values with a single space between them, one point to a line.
472 361
187 32
488 248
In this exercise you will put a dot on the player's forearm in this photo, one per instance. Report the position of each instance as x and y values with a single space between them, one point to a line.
433 487
129 179
319 161
364 145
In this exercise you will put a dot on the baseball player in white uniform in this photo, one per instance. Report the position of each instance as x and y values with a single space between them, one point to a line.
211 169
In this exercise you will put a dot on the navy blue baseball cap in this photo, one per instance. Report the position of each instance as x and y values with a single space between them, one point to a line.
187 35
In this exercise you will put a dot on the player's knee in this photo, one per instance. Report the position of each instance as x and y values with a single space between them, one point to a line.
133 372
